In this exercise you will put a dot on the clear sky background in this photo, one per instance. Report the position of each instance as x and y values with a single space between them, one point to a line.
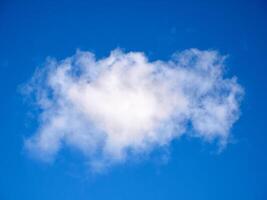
30 31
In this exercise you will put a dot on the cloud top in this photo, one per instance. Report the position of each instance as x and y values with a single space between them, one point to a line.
125 105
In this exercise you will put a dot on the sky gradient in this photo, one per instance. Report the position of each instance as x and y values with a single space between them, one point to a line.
189 168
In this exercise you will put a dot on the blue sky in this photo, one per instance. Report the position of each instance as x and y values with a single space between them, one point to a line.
31 31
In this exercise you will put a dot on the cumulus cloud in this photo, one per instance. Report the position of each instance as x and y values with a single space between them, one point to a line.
124 105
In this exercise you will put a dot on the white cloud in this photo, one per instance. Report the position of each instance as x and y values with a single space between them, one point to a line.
125 105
